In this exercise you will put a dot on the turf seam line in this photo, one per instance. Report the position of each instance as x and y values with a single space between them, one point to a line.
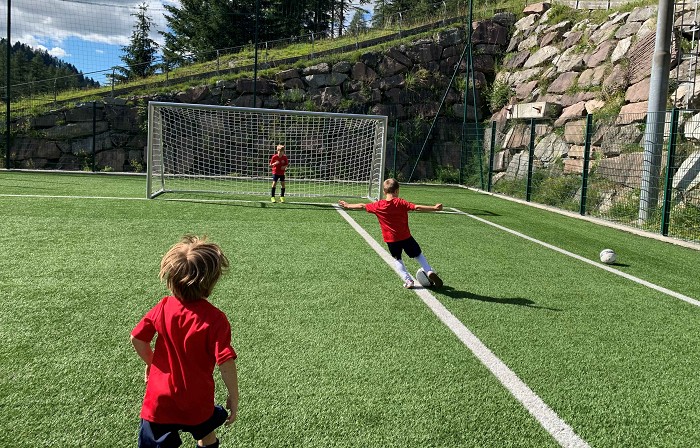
547 418
637 280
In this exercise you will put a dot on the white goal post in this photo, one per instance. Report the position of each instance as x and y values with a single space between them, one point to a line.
219 149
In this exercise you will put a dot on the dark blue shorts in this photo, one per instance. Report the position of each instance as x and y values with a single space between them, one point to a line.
276 177
157 435
409 245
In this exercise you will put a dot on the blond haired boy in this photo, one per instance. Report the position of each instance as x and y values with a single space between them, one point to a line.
392 214
192 337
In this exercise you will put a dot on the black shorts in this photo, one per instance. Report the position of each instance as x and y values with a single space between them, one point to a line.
158 435
276 177
409 245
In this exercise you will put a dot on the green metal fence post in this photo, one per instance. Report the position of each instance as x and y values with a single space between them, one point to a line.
586 164
670 171
492 155
530 160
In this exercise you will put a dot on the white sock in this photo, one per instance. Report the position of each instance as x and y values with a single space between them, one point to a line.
402 269
423 263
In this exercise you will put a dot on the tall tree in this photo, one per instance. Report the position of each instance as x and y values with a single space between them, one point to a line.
198 28
358 25
36 71
141 53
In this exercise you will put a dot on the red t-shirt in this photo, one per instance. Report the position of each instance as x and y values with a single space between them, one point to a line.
393 218
279 169
193 337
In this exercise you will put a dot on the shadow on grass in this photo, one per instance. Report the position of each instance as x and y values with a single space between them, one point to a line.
478 212
519 301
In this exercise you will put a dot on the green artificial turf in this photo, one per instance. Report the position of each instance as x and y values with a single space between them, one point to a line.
332 351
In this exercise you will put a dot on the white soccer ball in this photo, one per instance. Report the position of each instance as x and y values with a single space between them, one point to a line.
608 256
423 279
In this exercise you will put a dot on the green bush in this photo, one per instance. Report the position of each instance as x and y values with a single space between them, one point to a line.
559 191
447 175
498 95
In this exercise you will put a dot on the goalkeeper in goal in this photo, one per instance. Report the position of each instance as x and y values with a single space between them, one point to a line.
279 163
392 214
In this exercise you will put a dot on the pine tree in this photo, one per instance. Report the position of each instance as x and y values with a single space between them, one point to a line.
198 28
141 53
357 25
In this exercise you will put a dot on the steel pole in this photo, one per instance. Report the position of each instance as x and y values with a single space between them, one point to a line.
7 89
656 112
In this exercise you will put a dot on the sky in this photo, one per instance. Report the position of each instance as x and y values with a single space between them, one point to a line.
88 34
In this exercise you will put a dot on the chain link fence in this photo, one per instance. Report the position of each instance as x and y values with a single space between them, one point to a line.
606 167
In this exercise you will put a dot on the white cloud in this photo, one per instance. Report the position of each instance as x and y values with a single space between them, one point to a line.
58 52
50 22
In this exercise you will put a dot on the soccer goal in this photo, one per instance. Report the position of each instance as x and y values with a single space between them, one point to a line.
219 149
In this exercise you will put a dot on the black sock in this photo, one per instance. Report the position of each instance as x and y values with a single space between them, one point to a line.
282 192
273 191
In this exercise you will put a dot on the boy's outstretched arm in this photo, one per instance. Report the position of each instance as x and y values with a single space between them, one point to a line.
429 208
229 374
347 206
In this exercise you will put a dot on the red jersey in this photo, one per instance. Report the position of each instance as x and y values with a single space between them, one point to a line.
279 169
193 337
393 218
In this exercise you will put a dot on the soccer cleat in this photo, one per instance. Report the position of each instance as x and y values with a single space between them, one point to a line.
434 279
281 198
408 284
272 199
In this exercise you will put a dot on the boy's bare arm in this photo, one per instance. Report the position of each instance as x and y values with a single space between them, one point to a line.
429 208
145 352
229 374
143 349
347 206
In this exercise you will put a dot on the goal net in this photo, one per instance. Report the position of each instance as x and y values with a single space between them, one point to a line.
218 149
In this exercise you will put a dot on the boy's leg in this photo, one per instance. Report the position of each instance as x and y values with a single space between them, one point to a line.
205 433
423 262
154 435
395 251
209 441
272 191
282 191
413 250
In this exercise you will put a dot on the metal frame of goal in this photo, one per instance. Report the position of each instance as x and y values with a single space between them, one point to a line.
226 150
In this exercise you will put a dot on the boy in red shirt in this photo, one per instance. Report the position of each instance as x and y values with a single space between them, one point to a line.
193 337
392 214
279 163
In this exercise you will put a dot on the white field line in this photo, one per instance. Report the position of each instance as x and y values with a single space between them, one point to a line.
549 420
593 219
119 198
638 280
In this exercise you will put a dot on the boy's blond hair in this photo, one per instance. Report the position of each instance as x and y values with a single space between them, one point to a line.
280 148
192 267
391 186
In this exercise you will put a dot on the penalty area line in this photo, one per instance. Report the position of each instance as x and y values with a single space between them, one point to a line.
605 267
549 420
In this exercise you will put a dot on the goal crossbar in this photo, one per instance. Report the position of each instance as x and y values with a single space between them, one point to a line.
213 149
